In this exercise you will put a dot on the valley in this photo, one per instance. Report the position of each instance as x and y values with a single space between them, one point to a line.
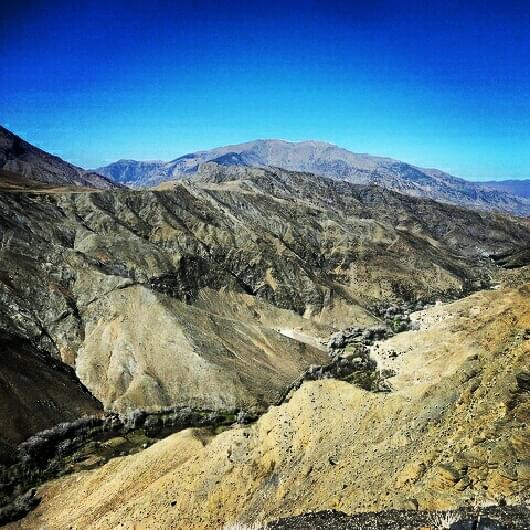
446 447
264 266
255 343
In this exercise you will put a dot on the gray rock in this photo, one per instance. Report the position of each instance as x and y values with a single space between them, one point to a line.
523 381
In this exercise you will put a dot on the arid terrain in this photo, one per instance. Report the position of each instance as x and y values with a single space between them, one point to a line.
452 432
328 160
248 344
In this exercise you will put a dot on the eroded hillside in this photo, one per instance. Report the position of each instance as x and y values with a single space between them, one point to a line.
217 293
453 431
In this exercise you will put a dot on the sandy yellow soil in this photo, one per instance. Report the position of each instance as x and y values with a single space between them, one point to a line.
454 431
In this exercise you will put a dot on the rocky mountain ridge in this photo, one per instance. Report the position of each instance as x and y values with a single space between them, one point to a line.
521 188
26 167
245 271
327 160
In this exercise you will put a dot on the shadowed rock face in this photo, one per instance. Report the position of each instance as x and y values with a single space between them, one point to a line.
189 296
37 393
330 161
23 166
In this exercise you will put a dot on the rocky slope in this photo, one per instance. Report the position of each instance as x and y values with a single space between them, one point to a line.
84 275
242 272
521 188
453 431
23 167
37 393
330 161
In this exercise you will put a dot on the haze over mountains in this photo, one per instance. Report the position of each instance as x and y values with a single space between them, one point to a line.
516 187
330 161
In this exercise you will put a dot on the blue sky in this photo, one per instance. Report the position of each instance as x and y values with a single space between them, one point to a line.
438 84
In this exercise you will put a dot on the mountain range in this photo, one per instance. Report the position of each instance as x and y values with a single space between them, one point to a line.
244 343
24 166
330 161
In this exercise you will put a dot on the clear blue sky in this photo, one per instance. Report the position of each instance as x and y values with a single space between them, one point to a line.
440 84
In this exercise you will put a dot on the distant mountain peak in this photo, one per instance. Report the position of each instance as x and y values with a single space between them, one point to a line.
329 160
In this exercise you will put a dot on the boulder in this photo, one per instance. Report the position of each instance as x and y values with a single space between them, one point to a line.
523 381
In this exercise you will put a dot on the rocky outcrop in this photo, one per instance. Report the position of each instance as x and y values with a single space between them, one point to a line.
488 518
